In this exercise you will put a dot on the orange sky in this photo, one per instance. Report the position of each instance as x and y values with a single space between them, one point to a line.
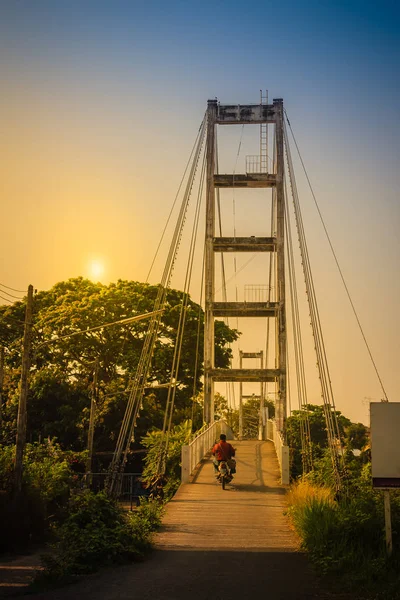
99 110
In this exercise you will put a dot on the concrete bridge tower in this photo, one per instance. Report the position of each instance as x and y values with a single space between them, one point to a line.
256 176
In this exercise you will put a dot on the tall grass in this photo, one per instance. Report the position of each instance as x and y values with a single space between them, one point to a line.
314 515
346 537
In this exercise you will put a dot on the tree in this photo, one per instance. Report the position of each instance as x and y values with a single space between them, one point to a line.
318 434
356 436
62 367
251 415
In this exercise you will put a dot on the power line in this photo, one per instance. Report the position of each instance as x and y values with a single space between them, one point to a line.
11 295
13 289
6 299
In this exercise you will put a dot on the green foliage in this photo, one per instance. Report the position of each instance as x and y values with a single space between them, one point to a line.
251 415
98 532
62 371
7 459
346 536
352 435
344 533
155 442
58 407
47 481
47 470
356 436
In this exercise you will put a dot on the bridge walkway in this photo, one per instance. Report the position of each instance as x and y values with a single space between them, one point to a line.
247 515
215 544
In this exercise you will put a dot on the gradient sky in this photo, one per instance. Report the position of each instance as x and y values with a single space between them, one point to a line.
99 107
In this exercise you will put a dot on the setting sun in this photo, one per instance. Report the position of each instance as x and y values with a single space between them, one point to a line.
96 269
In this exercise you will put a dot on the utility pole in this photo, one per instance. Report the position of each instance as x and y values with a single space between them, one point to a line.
93 404
22 406
1 384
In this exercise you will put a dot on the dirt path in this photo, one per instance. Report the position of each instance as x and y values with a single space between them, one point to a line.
215 544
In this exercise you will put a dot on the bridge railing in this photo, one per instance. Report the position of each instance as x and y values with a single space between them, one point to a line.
201 444
282 451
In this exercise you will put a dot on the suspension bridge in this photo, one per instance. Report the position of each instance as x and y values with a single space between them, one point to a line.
235 542
265 186
238 542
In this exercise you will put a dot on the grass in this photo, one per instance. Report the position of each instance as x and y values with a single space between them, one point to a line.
345 538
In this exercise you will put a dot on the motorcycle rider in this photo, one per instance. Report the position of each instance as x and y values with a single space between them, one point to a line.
222 450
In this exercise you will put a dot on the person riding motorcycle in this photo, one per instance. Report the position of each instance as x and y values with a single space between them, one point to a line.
223 450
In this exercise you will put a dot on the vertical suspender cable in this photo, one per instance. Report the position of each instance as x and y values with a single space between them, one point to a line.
338 267
322 363
140 378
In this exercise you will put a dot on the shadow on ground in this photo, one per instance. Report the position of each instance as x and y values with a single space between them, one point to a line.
202 575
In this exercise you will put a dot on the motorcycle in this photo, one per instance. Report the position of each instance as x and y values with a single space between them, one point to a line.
225 472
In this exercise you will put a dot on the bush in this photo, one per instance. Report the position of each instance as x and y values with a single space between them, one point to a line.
346 537
154 441
98 532
47 471
46 484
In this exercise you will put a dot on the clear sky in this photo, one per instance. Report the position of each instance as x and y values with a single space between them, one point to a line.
101 102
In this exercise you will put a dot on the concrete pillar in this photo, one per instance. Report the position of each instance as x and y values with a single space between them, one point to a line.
285 471
209 282
185 462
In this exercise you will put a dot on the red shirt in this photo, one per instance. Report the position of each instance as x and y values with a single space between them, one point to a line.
223 450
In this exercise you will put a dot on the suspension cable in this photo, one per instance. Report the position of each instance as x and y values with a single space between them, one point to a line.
337 264
174 202
196 360
139 381
306 455
333 432
181 326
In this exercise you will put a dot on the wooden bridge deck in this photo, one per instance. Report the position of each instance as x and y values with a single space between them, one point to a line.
247 515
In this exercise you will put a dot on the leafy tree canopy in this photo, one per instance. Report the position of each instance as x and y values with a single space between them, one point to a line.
353 435
62 369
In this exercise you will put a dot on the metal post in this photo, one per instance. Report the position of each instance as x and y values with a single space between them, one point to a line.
209 266
185 464
22 405
388 523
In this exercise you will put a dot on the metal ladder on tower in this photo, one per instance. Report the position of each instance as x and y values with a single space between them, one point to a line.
264 137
